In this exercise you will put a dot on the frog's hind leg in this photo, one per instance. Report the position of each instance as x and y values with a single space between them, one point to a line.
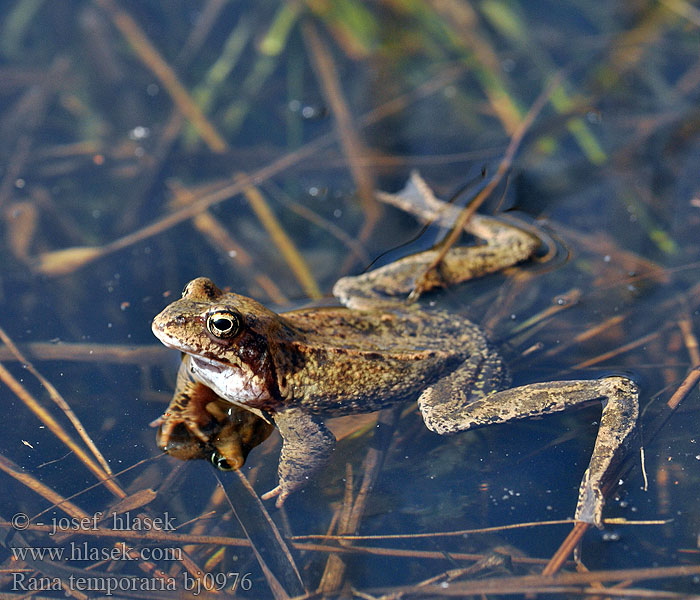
397 280
618 395
419 200
505 244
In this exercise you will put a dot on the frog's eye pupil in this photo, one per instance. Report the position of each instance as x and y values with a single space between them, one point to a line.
223 324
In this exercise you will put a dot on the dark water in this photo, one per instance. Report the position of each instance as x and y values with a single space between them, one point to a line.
94 149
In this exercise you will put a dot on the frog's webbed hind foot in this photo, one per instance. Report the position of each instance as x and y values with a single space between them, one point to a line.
617 425
505 244
306 446
618 395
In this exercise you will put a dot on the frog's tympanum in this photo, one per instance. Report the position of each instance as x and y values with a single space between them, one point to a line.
294 368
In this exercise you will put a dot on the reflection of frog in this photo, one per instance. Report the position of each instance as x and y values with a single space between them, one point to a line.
204 426
295 367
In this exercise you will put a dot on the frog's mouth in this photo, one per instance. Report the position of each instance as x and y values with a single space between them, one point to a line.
169 342
235 384
209 364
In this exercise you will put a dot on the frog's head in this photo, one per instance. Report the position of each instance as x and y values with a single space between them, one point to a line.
235 335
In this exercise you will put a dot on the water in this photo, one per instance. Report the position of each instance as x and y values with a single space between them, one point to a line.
92 150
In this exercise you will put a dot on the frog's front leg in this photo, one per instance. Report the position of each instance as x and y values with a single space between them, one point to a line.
187 407
200 424
306 446
447 408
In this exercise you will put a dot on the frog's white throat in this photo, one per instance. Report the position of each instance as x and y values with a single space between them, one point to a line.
237 384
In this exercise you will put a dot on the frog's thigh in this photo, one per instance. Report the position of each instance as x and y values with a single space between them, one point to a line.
306 445
618 395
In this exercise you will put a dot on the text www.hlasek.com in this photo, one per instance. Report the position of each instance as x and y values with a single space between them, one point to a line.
82 551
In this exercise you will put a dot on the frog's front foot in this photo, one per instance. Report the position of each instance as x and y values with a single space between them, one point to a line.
187 408
167 424
278 492
306 446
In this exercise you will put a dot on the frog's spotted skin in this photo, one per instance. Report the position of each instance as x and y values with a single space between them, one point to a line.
294 368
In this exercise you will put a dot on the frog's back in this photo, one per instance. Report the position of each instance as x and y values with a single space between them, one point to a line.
393 330
351 361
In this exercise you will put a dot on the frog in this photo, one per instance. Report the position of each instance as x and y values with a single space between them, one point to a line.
380 346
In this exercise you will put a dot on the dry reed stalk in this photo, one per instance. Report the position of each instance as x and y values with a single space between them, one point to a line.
58 399
350 142
152 59
45 417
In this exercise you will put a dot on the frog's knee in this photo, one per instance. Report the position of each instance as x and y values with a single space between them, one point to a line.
619 387
440 425
620 405
439 416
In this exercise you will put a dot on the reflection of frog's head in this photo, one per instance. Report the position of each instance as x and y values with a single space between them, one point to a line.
232 339
233 432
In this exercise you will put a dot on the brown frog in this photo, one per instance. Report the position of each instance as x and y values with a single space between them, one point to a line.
294 368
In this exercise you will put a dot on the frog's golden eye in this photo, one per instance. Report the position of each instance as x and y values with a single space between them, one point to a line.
224 324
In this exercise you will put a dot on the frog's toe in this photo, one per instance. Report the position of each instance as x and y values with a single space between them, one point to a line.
590 503
196 430
165 430
272 493
157 422
280 492
169 423
280 499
